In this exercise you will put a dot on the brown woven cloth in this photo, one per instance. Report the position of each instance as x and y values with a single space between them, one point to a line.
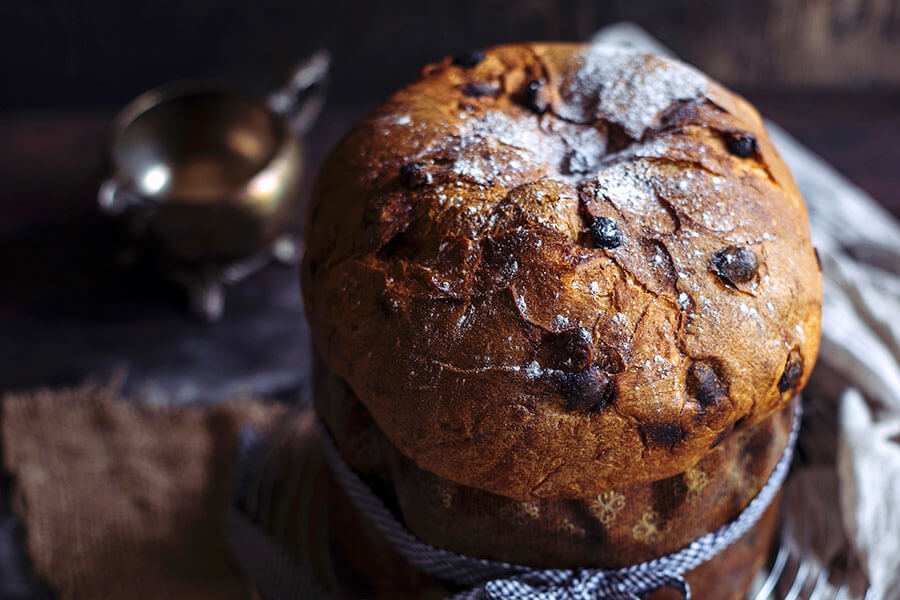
123 500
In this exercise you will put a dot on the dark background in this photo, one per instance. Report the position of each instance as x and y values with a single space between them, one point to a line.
61 53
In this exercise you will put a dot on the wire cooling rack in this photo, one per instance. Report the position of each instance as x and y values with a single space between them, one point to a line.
811 558
793 571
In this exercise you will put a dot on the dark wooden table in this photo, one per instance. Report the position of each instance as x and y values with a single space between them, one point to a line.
68 310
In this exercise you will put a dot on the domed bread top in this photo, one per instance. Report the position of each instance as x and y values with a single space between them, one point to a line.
549 270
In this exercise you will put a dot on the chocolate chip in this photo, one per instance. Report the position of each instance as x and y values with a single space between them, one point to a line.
793 371
703 384
399 246
587 390
741 144
617 138
605 233
572 349
818 260
479 89
664 435
468 59
414 175
735 264
537 97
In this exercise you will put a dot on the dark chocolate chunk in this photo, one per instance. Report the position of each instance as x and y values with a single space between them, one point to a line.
537 97
617 138
588 389
479 89
572 349
703 384
414 175
605 233
793 371
735 264
468 59
664 435
398 246
741 144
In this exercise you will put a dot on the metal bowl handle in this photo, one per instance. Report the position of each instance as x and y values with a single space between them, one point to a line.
302 97
113 199
116 199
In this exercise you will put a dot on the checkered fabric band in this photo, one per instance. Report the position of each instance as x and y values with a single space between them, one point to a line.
491 580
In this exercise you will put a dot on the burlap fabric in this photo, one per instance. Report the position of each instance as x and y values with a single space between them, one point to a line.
122 500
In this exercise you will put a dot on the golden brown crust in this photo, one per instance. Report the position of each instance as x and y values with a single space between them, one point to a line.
463 277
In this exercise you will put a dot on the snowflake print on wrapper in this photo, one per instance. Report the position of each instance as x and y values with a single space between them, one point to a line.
520 513
607 505
445 494
567 527
695 479
650 528
531 509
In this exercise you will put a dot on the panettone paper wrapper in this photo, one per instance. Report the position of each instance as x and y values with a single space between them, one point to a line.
851 485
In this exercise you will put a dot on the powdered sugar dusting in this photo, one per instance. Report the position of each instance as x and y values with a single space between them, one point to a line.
560 321
627 88
627 187
495 148
504 129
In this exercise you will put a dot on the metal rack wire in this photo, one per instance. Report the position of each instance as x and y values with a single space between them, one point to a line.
799 567
793 572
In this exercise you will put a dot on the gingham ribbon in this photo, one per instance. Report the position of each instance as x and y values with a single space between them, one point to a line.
492 580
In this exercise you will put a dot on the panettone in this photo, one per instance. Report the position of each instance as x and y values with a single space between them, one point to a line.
548 274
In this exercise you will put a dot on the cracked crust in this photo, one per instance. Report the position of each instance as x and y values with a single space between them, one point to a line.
454 281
